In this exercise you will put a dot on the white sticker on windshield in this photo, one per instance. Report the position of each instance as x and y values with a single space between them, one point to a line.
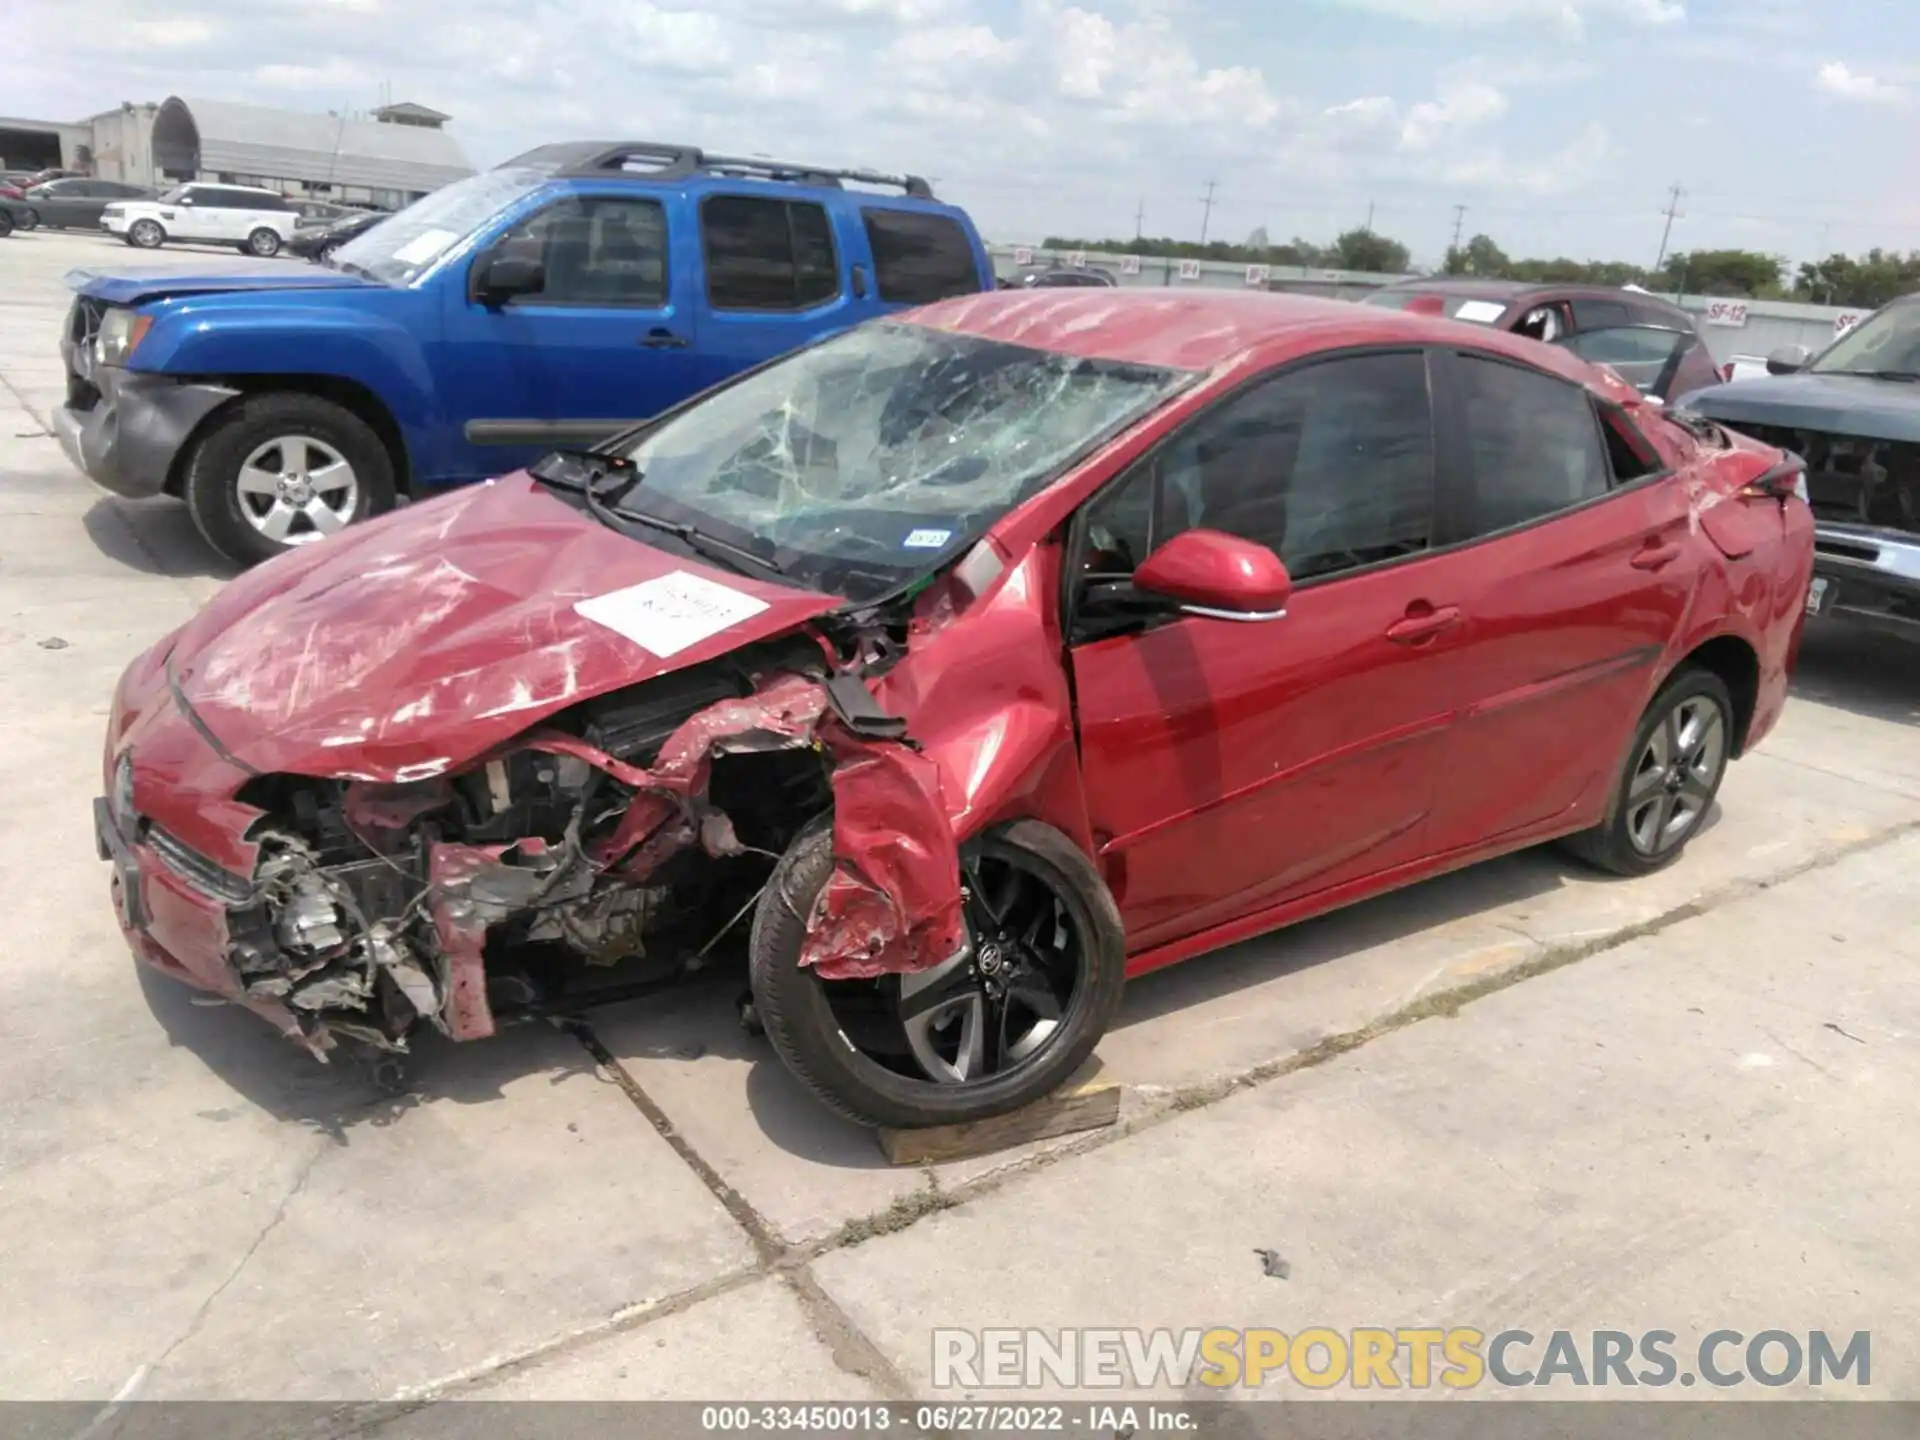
1480 312
926 539
666 615
424 246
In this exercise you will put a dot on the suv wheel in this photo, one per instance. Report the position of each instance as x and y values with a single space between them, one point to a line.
281 471
146 235
263 242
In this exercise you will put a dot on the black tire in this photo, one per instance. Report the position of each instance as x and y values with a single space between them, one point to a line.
264 242
213 469
6 222
29 219
146 235
1610 845
792 1004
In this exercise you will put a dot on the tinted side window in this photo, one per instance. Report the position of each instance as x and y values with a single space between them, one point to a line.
1599 314
919 258
597 250
1330 467
767 254
1535 444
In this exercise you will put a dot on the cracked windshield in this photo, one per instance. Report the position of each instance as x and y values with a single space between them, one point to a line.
857 465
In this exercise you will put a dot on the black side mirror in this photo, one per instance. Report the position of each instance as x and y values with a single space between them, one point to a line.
1787 359
499 278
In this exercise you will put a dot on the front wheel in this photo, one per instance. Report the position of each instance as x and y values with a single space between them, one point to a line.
263 242
29 219
281 471
146 235
995 1027
6 222
1673 771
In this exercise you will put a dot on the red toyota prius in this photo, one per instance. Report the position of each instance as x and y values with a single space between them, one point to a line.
952 670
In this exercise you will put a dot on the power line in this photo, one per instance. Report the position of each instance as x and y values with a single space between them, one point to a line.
1673 213
1206 212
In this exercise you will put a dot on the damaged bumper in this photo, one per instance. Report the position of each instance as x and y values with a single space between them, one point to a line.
1867 576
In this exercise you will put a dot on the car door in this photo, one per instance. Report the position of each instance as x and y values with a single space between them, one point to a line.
63 203
1580 577
776 278
193 217
1232 766
1655 360
607 341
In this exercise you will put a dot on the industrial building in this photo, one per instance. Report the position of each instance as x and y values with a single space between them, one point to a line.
389 157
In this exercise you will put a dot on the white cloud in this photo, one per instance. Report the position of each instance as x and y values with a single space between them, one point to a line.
1458 107
1568 169
1837 80
1570 16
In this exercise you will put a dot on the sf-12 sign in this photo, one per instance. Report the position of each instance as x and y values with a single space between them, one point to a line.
1257 275
1846 322
1130 265
1023 255
1731 314
1189 269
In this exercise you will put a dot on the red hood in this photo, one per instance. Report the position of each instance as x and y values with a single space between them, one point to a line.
411 644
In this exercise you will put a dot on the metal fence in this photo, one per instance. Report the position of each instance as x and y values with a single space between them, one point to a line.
1733 328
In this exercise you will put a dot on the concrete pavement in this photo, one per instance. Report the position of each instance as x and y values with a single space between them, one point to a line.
192 1208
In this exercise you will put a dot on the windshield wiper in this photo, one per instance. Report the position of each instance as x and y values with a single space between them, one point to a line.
604 480
712 547
1907 375
349 267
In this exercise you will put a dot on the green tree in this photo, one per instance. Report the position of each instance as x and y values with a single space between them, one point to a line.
1723 272
1363 250
1863 284
1479 257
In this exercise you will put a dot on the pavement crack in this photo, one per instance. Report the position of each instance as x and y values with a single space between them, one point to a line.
850 1347
199 1317
767 1244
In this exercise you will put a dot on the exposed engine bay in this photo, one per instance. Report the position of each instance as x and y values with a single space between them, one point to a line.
1853 480
635 831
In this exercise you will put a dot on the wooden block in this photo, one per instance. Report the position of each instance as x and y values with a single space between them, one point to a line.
1074 1108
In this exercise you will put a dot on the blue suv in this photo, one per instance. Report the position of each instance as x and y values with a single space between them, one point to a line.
551 302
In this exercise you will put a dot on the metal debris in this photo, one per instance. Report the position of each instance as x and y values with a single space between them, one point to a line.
1272 1263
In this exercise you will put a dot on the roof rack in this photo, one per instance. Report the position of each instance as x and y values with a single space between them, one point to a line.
658 161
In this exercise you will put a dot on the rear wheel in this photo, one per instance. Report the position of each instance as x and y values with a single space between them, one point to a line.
993 1028
1673 772
263 242
29 219
146 235
281 471
6 221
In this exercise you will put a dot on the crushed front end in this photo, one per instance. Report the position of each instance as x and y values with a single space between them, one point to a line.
616 846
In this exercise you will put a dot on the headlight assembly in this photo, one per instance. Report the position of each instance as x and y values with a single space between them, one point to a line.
121 332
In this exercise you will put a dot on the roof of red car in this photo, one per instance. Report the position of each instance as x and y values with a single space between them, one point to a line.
1201 329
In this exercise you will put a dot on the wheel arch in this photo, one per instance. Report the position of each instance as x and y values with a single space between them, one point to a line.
1737 663
348 394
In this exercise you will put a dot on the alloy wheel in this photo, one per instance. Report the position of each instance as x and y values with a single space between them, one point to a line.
1676 776
295 490
993 1008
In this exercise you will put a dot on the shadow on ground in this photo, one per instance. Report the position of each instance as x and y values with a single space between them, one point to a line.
156 537
1861 671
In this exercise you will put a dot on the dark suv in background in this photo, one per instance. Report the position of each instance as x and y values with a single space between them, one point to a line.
1651 343
75 203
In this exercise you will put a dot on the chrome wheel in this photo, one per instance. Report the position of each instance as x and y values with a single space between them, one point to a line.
264 242
296 489
1676 776
995 1007
147 234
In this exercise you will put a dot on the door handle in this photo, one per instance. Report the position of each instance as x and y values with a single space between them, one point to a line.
664 340
1423 623
1653 555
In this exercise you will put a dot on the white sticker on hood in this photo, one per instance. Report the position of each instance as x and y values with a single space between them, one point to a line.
1480 312
666 615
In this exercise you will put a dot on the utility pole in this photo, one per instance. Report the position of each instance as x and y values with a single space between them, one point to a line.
1369 225
1459 219
1139 217
1206 211
1672 213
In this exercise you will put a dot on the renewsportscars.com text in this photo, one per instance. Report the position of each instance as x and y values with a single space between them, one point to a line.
1418 1358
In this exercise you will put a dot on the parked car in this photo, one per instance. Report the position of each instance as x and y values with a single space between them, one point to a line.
1853 413
1066 277
955 669
73 204
523 308
256 222
1652 343
318 242
314 214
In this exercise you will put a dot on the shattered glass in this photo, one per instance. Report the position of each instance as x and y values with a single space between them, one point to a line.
860 462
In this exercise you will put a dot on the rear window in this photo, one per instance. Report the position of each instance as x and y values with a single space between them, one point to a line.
1474 309
767 254
919 258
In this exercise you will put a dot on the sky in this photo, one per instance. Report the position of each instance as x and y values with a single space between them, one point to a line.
1561 125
